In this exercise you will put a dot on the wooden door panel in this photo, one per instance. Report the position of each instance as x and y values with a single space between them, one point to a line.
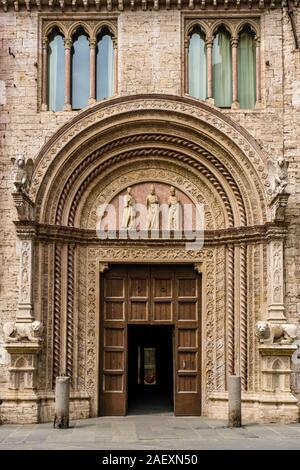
162 301
139 294
154 295
187 348
113 360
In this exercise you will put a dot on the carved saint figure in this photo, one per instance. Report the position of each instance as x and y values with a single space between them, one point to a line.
23 173
128 221
174 210
281 179
152 210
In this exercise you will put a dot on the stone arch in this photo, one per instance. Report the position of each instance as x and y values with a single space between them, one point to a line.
167 127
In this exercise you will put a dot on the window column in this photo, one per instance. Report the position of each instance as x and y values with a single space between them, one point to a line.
209 45
115 78
234 45
258 84
92 97
68 46
44 106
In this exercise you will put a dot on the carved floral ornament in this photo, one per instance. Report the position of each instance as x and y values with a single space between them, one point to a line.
238 159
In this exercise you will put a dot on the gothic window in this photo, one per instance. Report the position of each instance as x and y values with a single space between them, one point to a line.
246 69
78 63
56 71
222 61
104 65
197 72
80 70
222 69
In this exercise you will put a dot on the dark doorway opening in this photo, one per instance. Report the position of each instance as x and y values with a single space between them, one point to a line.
150 368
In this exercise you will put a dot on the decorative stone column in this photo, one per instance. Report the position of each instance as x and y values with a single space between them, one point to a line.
115 46
44 105
275 282
276 308
24 311
209 46
23 336
92 97
234 45
68 46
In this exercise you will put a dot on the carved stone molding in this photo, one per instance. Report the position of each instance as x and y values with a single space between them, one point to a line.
276 368
218 127
278 207
23 365
109 186
24 310
276 307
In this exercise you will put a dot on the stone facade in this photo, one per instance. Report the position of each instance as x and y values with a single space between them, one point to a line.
150 61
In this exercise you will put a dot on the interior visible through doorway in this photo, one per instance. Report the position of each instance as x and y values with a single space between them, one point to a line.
150 368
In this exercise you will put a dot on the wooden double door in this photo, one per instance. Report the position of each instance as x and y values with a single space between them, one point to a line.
150 295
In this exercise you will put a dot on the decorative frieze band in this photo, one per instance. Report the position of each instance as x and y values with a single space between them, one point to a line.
120 5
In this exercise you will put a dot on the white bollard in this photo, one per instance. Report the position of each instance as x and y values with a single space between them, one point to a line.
62 390
234 402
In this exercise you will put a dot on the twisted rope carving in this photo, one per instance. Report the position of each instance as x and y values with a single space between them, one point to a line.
151 152
243 317
57 310
70 309
143 139
230 308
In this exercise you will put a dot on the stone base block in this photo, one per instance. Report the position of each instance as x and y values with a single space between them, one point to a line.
32 409
257 407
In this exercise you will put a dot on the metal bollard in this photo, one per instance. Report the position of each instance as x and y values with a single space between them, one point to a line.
62 390
234 402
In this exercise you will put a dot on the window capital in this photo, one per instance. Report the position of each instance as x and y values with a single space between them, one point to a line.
68 43
234 42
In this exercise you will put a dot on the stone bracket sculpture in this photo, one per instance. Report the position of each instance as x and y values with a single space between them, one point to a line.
14 332
281 178
278 207
23 173
23 205
275 333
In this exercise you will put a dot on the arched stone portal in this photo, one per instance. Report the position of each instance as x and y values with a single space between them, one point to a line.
209 159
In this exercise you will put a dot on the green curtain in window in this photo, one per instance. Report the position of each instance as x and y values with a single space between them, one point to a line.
56 73
246 70
105 68
222 70
197 67
80 72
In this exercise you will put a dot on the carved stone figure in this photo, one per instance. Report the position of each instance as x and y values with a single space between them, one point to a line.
174 210
23 173
14 332
271 333
281 179
128 220
152 210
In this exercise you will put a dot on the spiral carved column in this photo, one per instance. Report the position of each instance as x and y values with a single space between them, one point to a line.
243 317
57 313
230 309
70 309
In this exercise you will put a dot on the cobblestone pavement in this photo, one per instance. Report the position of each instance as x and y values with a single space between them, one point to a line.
149 432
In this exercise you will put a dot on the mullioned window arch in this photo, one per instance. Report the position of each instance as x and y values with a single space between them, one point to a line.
222 62
78 64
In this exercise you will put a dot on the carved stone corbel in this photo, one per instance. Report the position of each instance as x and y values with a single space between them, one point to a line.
103 267
23 205
278 207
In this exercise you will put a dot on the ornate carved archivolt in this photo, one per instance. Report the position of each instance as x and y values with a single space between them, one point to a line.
237 166
203 154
